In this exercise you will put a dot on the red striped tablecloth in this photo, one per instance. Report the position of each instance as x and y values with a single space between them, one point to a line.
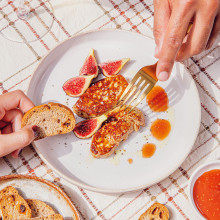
18 61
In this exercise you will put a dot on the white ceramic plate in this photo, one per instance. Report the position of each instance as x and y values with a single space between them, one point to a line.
70 157
31 187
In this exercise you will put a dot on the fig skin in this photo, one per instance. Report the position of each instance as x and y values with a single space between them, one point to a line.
90 66
87 128
71 85
112 68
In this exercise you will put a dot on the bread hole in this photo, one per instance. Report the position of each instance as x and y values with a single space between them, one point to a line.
44 119
155 209
45 128
58 120
22 208
161 215
13 197
48 106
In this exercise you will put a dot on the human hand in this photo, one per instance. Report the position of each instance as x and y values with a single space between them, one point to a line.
171 22
12 137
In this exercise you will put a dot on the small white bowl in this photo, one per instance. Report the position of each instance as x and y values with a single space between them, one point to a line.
196 174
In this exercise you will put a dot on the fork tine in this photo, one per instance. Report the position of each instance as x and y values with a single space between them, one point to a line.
139 91
136 77
128 95
144 94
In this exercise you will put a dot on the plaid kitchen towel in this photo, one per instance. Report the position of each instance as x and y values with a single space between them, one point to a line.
18 61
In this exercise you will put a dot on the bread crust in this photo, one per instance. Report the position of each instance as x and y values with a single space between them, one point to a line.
8 190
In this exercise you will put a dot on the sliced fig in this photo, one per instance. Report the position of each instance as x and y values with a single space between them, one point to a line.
90 66
76 86
85 129
113 67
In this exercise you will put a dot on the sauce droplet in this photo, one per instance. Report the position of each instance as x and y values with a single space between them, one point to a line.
148 150
130 160
157 99
160 129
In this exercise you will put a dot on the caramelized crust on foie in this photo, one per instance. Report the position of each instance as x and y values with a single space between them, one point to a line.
120 124
100 97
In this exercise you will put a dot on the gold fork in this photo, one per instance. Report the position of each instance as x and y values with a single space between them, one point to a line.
139 87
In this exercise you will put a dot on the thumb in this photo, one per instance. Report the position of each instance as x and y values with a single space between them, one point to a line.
16 140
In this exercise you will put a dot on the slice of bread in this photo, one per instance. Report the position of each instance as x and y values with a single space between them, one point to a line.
14 207
39 208
51 119
156 212
8 190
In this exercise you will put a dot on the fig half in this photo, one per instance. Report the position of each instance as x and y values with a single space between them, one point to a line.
90 66
76 86
85 129
113 67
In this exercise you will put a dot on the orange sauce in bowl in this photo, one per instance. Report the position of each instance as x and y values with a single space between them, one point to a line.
148 150
206 194
157 99
160 129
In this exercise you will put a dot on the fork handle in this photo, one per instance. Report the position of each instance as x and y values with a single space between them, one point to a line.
151 70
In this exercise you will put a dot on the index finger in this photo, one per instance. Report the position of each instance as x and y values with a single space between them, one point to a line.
175 33
12 100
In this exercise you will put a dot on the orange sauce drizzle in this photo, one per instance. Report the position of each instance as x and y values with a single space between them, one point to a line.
160 129
148 150
130 160
157 99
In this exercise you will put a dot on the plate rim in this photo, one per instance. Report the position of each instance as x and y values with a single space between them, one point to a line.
110 191
50 184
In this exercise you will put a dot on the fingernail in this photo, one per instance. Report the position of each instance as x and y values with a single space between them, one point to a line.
163 76
35 129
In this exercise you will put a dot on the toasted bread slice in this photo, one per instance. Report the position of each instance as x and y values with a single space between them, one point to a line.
51 119
14 207
119 125
157 212
8 190
100 97
39 208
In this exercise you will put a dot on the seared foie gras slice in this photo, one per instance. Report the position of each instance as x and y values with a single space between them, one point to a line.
100 97
116 129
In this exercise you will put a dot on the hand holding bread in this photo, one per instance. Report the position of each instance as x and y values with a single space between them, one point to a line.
12 136
18 130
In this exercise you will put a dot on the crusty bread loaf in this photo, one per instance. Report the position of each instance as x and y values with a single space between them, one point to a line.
157 212
14 207
8 190
39 208
51 119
